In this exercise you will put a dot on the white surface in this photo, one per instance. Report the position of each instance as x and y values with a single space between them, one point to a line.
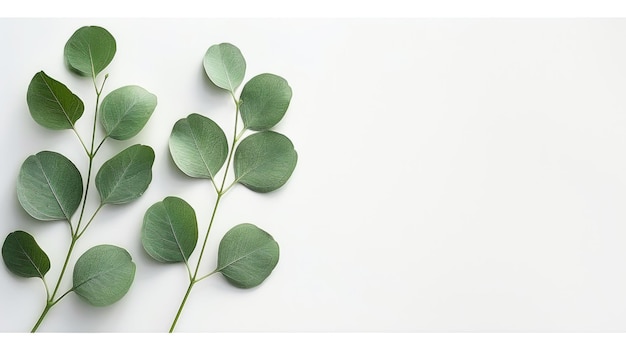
453 175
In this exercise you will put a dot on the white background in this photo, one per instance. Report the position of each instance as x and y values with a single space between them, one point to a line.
453 174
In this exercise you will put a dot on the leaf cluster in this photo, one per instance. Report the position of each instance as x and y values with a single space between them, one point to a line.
50 186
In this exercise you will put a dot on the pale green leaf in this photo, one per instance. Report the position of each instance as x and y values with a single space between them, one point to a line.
89 50
23 256
247 255
198 146
126 176
49 186
125 111
264 161
52 104
170 230
264 101
225 66
103 274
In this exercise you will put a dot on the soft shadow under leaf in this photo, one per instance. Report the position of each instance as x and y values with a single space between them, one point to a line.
125 176
170 230
89 50
264 101
23 256
52 104
49 186
198 146
264 161
225 66
103 274
247 255
125 111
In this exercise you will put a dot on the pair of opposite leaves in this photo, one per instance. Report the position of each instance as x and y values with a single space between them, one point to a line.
263 162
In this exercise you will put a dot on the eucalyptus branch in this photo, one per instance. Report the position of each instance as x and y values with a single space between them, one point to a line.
262 162
50 186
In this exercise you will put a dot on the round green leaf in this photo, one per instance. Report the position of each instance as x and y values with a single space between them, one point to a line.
103 274
198 146
89 50
170 230
264 101
264 161
52 104
23 256
49 186
126 176
125 111
225 66
247 255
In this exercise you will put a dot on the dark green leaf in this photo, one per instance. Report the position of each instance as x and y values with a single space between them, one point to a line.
89 50
52 104
264 101
125 111
103 274
170 230
225 66
49 186
264 161
247 255
126 176
198 146
23 256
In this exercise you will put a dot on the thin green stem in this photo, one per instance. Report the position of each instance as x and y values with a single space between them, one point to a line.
67 260
232 149
206 276
88 222
60 297
81 141
43 315
193 279
182 305
220 193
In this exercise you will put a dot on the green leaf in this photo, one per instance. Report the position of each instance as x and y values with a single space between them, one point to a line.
49 186
52 104
225 66
170 230
264 101
126 176
198 146
264 161
125 111
89 50
247 255
103 274
23 256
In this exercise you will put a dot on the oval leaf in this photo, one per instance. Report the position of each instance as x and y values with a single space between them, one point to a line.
49 186
225 66
126 176
247 255
125 111
52 104
89 50
264 101
103 274
264 161
170 230
23 256
198 146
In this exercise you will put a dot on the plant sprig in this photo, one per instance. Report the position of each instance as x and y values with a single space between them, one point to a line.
263 161
50 187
